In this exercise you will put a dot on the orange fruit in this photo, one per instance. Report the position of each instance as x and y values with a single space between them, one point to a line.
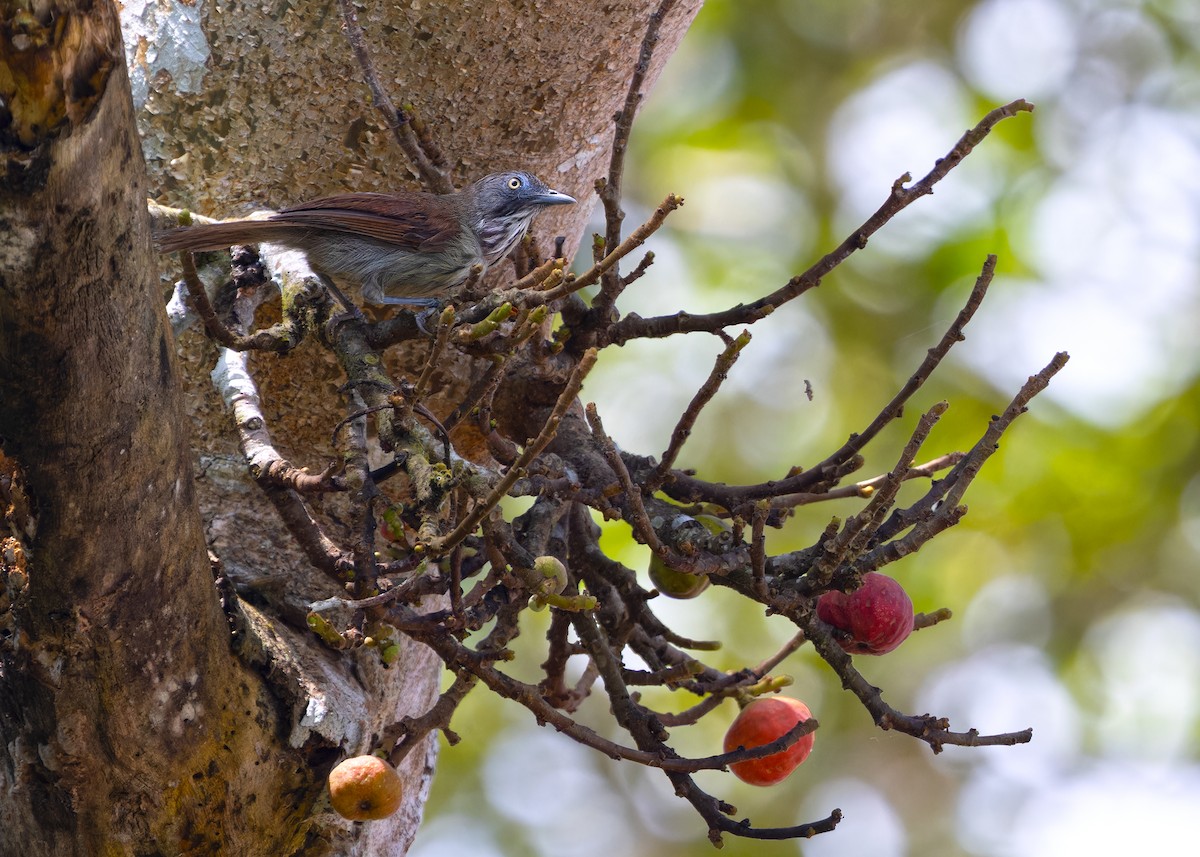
365 788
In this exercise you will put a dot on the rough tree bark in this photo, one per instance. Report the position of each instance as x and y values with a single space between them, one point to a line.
126 722
129 722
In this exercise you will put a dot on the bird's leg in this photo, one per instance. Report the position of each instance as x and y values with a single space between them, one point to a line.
351 312
373 293
350 307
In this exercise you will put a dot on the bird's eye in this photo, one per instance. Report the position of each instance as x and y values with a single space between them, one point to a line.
514 183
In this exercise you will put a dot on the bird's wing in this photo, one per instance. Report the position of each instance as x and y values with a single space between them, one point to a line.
417 221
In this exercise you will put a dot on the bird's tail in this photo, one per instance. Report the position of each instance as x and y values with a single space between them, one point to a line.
218 236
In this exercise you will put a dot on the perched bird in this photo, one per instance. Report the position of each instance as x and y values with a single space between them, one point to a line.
403 249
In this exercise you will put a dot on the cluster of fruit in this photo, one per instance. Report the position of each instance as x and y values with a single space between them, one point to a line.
872 620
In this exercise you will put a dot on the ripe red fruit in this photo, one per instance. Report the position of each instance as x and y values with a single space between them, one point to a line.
761 722
873 619
365 788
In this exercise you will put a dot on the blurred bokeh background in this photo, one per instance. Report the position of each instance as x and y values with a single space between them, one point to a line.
1074 579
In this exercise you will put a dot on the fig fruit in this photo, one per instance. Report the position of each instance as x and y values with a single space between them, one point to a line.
680 584
873 619
676 584
764 720
365 788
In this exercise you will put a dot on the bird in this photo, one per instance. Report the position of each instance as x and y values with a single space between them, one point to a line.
399 249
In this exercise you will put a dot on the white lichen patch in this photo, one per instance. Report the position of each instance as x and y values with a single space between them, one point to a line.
163 38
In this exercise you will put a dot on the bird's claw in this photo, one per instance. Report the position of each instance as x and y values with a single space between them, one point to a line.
351 314
425 315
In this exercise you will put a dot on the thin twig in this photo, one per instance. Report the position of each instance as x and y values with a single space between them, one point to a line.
639 270
947 492
730 683
636 239
480 394
398 120
934 731
459 658
445 323
636 515
863 525
900 198
689 490
413 729
894 408
691 413
866 488
532 450
611 189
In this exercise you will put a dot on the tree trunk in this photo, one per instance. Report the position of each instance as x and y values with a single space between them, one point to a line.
130 722
127 724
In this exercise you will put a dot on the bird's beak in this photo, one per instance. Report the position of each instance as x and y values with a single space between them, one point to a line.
553 197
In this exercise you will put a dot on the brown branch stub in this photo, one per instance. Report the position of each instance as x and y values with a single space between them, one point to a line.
928 620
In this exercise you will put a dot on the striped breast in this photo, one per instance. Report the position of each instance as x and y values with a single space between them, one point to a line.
498 235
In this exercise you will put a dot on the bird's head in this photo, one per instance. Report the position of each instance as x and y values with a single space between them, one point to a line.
504 194
504 204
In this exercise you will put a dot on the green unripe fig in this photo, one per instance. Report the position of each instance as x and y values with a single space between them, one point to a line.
676 584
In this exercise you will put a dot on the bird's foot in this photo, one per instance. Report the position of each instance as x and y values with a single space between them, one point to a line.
426 316
352 314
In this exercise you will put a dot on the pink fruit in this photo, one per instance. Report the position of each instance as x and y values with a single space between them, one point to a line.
762 721
873 619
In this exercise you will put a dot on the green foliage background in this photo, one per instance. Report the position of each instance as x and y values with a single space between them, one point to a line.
1074 577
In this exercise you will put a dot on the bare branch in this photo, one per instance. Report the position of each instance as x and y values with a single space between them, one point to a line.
687 489
899 199
611 189
691 413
